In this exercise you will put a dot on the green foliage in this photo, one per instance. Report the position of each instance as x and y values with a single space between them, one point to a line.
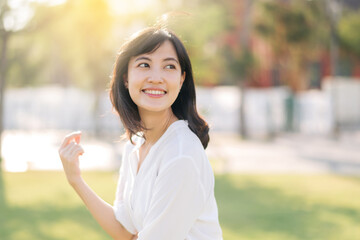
27 63
242 65
75 43
296 32
68 44
298 28
288 24
349 37
200 31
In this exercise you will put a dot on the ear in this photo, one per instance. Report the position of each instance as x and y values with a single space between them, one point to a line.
125 81
182 79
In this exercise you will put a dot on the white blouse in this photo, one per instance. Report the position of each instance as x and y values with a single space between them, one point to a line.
172 195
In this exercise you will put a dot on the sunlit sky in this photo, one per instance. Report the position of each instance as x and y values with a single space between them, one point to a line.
21 11
123 7
18 3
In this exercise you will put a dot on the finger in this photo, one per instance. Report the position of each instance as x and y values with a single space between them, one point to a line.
77 138
77 150
66 151
70 137
81 150
73 148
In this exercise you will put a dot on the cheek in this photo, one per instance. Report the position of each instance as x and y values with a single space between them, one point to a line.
133 80
176 83
175 89
133 87
133 91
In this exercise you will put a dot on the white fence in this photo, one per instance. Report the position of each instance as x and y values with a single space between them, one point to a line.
57 108
345 98
265 109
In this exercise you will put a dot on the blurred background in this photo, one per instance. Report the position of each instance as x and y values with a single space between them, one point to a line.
277 80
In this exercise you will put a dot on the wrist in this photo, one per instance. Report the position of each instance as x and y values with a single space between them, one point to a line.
74 180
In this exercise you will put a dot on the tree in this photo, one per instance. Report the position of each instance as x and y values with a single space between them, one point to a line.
5 34
201 31
295 32
240 61
350 39
242 66
9 24
15 24
91 25
74 48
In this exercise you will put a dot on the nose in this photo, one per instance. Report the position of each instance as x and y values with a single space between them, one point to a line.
155 76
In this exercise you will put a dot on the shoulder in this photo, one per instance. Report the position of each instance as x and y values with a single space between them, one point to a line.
181 141
181 151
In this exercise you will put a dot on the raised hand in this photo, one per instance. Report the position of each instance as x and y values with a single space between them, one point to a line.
69 152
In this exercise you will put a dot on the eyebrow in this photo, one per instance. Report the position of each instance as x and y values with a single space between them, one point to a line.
171 59
142 58
148 59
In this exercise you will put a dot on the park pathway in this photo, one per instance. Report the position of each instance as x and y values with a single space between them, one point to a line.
291 153
288 153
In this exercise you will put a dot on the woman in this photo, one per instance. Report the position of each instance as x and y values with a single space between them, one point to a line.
166 184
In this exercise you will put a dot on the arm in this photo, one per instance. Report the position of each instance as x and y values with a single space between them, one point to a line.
69 152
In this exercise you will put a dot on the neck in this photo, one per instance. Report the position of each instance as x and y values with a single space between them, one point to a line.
156 123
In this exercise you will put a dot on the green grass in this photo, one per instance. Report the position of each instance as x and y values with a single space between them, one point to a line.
289 207
40 205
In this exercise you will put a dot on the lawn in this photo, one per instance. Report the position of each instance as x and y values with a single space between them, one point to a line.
41 206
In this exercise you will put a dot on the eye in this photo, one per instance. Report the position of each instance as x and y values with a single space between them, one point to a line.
170 66
143 65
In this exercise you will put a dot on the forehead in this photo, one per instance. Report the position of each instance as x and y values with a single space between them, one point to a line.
165 50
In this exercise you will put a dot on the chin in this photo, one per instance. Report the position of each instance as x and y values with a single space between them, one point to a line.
155 108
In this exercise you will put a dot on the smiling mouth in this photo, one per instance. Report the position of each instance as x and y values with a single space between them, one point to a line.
154 92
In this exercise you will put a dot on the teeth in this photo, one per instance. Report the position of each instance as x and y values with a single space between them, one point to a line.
154 92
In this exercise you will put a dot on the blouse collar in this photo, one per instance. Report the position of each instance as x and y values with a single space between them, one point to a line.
139 139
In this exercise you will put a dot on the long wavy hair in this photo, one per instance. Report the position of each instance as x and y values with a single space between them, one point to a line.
184 107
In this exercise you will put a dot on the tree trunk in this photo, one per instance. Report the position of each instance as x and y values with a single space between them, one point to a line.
242 127
244 38
334 8
3 63
334 53
96 112
98 89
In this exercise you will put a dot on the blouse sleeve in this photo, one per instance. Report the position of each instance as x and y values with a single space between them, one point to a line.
177 202
120 207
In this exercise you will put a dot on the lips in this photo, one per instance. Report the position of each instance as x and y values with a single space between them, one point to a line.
154 92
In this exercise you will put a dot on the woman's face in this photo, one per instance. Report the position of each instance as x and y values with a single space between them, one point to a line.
154 79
